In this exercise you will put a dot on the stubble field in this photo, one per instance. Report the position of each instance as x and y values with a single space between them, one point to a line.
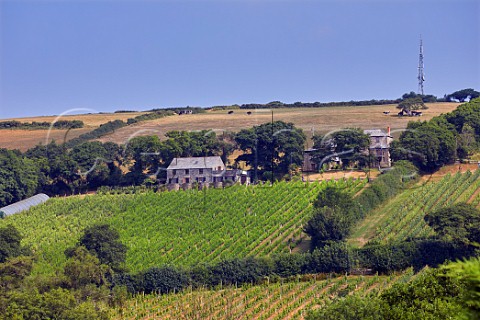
318 120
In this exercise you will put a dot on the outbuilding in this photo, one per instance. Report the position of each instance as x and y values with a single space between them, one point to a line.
23 205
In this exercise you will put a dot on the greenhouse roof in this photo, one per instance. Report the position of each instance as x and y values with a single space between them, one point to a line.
24 204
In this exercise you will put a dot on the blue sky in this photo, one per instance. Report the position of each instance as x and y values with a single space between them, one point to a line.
111 55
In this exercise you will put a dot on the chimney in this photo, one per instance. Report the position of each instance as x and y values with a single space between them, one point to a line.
388 131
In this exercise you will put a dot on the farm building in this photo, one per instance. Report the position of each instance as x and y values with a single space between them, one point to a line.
24 204
380 147
202 170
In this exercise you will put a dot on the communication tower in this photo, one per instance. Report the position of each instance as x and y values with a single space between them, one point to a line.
421 75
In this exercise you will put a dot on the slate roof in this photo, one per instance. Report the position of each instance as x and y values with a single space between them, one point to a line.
376 133
24 204
196 163
382 144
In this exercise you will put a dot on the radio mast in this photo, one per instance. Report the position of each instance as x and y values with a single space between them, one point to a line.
421 75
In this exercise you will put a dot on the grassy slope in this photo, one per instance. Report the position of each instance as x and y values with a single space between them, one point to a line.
182 228
320 119
25 139
402 216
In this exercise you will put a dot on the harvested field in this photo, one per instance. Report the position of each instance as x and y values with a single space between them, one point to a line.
309 119
25 139
90 120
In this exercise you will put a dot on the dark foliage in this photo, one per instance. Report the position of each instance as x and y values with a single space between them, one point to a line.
432 144
162 280
459 223
271 147
336 211
60 124
414 253
103 242
10 246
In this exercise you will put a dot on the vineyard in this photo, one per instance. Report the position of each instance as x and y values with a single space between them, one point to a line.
402 217
179 228
290 300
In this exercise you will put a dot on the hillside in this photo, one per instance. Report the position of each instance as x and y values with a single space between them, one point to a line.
321 119
181 228
402 216
25 139
290 300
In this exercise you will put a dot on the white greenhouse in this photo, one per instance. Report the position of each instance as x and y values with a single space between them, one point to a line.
23 205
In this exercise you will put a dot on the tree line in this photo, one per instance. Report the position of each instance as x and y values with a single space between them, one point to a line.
78 165
460 95
60 124
441 140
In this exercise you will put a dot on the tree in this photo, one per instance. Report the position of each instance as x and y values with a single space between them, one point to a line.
95 162
429 145
271 147
462 95
59 173
467 272
410 104
349 145
83 268
104 242
13 271
466 114
143 155
459 222
425 98
10 246
18 177
163 280
333 216
466 144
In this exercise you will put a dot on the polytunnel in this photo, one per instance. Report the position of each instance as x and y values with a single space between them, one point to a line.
23 205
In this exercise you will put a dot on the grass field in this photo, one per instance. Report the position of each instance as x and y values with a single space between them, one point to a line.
181 228
318 119
25 139
290 300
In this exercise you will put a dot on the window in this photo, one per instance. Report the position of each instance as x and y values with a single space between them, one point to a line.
377 139
174 171
187 171
200 171
187 180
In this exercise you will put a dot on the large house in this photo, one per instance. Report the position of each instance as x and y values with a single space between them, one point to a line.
203 170
380 147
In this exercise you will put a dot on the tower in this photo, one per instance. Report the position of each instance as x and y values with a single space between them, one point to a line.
421 75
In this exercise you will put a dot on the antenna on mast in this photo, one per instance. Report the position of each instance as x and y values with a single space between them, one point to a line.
421 75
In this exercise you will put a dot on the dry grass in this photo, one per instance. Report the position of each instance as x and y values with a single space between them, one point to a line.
90 120
309 119
450 169
25 139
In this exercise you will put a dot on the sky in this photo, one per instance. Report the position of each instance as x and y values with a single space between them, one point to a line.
136 55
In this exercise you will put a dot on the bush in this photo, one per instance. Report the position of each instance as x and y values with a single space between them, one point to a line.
163 280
